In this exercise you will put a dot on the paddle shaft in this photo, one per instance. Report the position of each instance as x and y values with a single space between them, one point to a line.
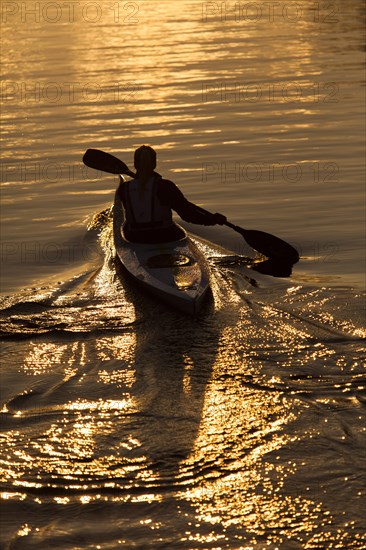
266 244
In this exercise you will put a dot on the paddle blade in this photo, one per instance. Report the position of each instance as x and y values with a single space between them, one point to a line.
274 267
99 160
269 245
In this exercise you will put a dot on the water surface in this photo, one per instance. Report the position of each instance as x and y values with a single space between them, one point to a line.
123 422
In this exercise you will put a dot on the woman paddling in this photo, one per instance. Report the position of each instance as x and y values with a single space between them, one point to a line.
148 201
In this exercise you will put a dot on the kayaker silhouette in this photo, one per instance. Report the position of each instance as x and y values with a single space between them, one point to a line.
148 201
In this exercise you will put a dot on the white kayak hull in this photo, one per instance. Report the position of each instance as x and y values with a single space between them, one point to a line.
175 272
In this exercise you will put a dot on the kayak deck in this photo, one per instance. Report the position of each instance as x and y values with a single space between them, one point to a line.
176 272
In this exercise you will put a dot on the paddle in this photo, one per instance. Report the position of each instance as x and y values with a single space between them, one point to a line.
94 158
265 243
268 245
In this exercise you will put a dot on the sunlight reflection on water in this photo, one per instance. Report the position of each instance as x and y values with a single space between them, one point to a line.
123 424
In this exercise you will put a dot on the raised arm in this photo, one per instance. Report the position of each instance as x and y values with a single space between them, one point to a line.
170 194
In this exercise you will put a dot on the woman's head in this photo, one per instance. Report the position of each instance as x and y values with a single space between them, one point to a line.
145 162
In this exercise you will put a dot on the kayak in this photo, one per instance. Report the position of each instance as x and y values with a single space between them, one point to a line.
175 272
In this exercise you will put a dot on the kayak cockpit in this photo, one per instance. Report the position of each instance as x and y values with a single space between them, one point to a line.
175 271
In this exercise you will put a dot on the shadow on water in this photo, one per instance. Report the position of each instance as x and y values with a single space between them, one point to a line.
173 359
275 268
104 409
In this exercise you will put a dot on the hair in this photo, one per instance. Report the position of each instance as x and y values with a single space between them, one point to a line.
145 162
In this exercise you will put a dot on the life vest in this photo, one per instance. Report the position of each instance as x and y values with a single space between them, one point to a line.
143 209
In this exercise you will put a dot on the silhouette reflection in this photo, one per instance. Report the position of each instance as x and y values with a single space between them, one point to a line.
275 267
173 360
